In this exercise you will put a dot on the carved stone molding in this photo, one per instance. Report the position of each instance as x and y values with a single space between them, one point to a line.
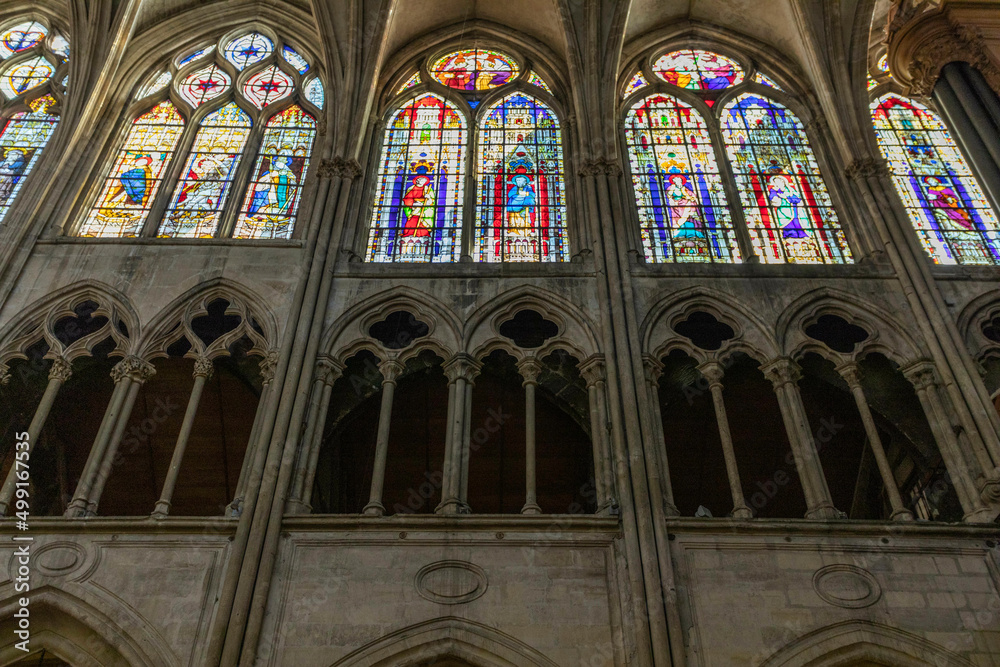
61 369
451 582
203 367
268 365
846 586
133 368
600 165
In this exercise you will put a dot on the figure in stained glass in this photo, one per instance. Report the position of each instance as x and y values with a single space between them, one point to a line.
475 69
681 201
945 203
12 167
698 70
275 189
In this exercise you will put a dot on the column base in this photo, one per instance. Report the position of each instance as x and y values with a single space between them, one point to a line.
297 507
531 508
902 515
234 509
451 506
374 508
825 512
76 508
741 513
609 508
162 510
984 515
671 509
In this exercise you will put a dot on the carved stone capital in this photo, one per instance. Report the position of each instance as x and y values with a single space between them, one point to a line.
600 165
340 167
867 167
61 369
328 370
850 373
390 369
712 371
268 366
921 374
782 371
529 368
4 374
462 366
203 367
653 369
593 370
133 368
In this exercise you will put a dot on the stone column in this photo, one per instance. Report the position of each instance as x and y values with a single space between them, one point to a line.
713 372
59 372
850 374
923 376
593 372
529 368
460 370
463 494
328 370
784 374
267 367
138 377
391 370
130 371
653 370
202 372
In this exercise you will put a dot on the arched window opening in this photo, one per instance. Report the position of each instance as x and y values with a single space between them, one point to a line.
698 70
955 223
682 205
788 210
277 89
520 212
522 207
32 65
418 204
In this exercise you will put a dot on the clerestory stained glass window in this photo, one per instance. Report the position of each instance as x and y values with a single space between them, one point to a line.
135 176
21 37
201 193
475 69
522 200
418 204
698 70
788 209
273 196
683 212
268 87
20 77
955 223
248 50
638 82
22 139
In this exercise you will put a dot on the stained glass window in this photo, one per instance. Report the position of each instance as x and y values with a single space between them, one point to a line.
872 83
683 211
414 80
638 82
475 69
418 204
268 87
955 223
129 189
161 81
536 80
204 186
21 142
293 58
314 92
788 210
204 85
21 37
765 80
248 50
883 64
23 76
698 70
59 46
522 205
273 196
194 56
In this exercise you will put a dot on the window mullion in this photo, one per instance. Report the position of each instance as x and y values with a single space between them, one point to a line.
727 173
240 182
469 216
171 175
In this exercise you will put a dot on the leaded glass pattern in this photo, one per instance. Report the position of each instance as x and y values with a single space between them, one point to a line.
683 212
268 87
21 37
194 56
414 80
204 186
536 80
521 214
59 46
161 81
293 58
417 213
475 69
20 77
248 50
315 93
22 139
765 80
638 82
955 223
698 70
788 210
272 200
204 85
135 176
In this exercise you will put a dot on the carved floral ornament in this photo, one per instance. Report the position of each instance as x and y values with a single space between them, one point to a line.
925 35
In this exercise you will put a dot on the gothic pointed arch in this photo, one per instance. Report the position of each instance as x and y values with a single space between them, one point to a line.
447 637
